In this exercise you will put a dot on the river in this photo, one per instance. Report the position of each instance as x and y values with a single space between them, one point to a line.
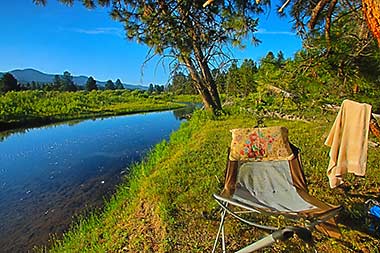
50 175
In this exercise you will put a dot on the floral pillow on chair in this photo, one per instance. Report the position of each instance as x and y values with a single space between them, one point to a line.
260 144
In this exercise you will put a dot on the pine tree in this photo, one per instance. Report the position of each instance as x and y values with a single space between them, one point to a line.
8 83
67 82
91 84
119 85
185 31
109 85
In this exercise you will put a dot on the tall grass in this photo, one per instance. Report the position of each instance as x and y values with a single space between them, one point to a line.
33 107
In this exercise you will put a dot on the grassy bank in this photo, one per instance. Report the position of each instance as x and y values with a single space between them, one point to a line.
166 204
34 108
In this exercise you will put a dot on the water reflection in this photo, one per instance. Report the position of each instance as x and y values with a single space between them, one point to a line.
49 174
185 112
5 134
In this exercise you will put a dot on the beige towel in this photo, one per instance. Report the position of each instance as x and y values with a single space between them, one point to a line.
348 139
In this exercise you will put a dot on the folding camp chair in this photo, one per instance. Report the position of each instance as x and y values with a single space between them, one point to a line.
264 176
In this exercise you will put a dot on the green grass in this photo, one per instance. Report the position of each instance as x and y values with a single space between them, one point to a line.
28 108
165 204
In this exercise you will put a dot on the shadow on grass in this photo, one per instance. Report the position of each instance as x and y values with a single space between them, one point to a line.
355 215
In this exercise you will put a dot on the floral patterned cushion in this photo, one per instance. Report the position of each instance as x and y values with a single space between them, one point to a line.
260 144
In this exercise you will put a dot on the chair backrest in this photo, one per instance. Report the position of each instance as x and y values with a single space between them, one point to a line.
260 144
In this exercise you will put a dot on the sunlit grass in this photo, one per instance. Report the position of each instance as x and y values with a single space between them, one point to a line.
26 108
165 205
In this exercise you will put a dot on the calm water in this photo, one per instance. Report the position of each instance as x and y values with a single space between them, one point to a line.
48 175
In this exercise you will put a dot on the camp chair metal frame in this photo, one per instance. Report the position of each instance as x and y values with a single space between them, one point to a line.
304 223
277 234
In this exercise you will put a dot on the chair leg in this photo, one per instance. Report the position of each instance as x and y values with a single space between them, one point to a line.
264 242
279 235
223 241
220 233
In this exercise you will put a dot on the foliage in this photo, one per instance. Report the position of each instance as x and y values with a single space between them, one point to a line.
192 35
8 83
60 83
181 84
155 88
109 85
91 84
27 107
350 51
240 81
308 81
67 83
118 85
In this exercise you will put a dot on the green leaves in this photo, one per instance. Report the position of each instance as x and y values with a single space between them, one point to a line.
8 83
91 84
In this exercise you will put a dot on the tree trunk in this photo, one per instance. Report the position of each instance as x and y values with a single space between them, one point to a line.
374 127
208 79
198 67
207 99
371 9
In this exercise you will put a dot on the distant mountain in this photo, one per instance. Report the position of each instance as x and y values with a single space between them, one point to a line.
28 75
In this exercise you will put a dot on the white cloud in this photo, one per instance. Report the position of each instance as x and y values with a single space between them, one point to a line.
264 31
101 30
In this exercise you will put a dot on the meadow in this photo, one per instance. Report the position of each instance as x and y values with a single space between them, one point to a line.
34 108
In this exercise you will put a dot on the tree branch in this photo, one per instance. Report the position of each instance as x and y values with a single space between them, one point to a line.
283 6
328 24
316 11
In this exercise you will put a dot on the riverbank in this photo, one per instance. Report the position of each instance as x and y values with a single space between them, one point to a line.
37 108
51 174
165 205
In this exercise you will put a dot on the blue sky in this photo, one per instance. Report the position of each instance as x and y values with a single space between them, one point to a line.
56 38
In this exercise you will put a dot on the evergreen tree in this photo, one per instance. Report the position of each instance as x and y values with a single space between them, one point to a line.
194 36
220 79
91 84
158 88
57 82
67 82
280 59
269 58
247 72
109 85
150 88
178 83
181 84
8 83
48 87
119 85
34 85
233 79
28 86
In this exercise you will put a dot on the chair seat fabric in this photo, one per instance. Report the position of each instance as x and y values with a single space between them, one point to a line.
269 185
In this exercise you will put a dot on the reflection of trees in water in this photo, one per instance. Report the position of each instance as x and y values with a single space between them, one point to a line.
6 134
183 113
179 114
